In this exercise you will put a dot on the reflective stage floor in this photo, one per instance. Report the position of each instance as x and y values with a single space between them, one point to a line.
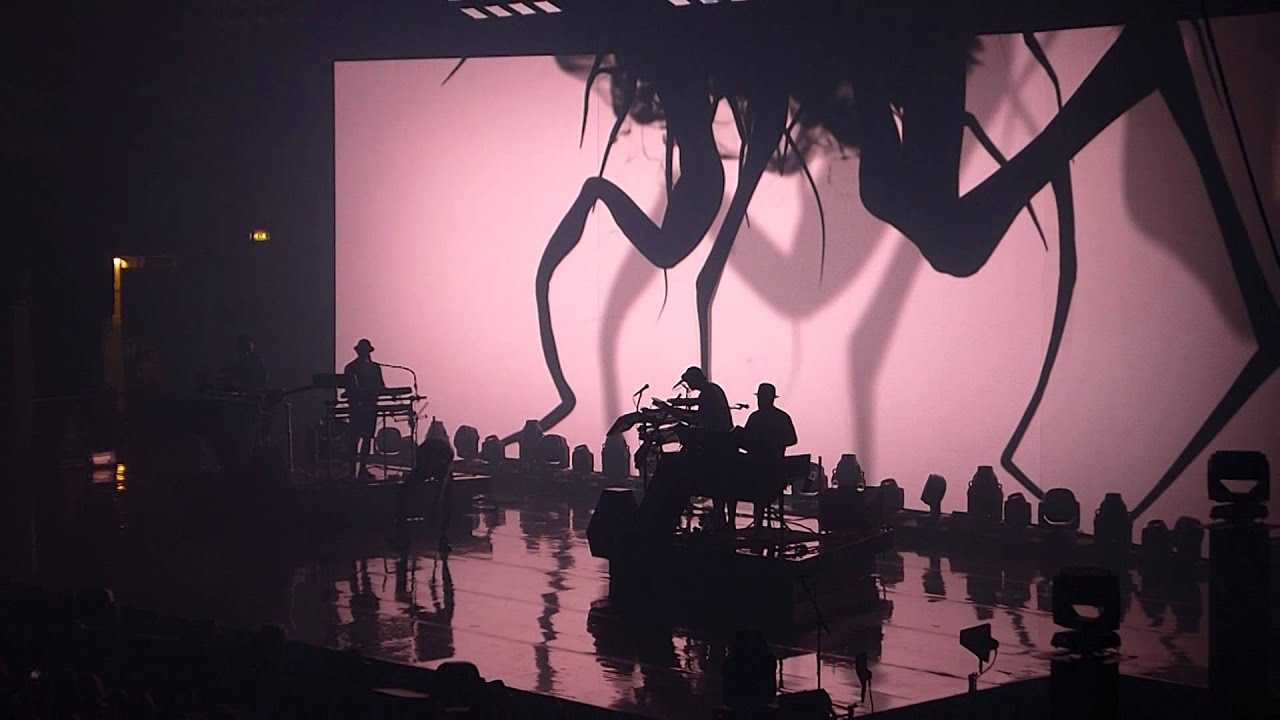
522 597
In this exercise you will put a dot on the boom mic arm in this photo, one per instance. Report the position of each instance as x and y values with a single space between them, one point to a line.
413 374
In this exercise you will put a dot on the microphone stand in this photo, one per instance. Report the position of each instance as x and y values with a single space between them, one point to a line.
822 625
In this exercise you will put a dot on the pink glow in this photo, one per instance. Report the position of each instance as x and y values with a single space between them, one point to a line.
446 196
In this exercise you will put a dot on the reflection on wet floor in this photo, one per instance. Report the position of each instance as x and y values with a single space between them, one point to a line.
522 597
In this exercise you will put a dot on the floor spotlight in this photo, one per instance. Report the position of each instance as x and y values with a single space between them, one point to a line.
1086 601
1084 680
978 641
1239 476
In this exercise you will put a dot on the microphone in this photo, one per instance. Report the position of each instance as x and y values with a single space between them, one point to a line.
641 390
678 384
739 406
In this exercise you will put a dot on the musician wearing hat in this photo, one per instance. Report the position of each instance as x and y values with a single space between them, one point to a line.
766 437
707 439
769 430
710 407
364 382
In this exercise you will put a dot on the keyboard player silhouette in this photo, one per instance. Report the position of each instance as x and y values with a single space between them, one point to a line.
364 383
707 440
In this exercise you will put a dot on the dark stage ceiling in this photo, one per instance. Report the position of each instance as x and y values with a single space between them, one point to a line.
449 28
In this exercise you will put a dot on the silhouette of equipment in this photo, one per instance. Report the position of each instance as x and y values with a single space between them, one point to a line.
583 460
466 441
986 496
1239 583
935 488
613 523
670 535
491 451
1059 509
978 641
1084 675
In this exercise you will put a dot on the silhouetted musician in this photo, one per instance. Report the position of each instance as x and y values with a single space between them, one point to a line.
706 462
710 407
364 383
766 437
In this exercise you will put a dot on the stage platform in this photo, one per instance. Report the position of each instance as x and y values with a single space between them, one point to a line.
522 597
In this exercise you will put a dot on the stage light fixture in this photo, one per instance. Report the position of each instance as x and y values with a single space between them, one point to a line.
554 450
492 451
1112 526
474 13
522 8
1017 511
583 460
935 488
1247 470
1188 538
1060 509
891 497
615 459
1157 542
1086 601
848 472
466 441
259 235
985 496
546 6
978 641
530 441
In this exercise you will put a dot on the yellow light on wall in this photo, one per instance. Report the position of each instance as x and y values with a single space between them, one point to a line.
259 235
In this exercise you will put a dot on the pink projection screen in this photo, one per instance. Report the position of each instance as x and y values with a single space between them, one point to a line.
447 195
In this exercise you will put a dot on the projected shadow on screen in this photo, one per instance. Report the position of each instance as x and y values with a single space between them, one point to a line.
897 94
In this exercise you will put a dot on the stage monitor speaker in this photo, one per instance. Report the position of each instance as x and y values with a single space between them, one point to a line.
613 521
